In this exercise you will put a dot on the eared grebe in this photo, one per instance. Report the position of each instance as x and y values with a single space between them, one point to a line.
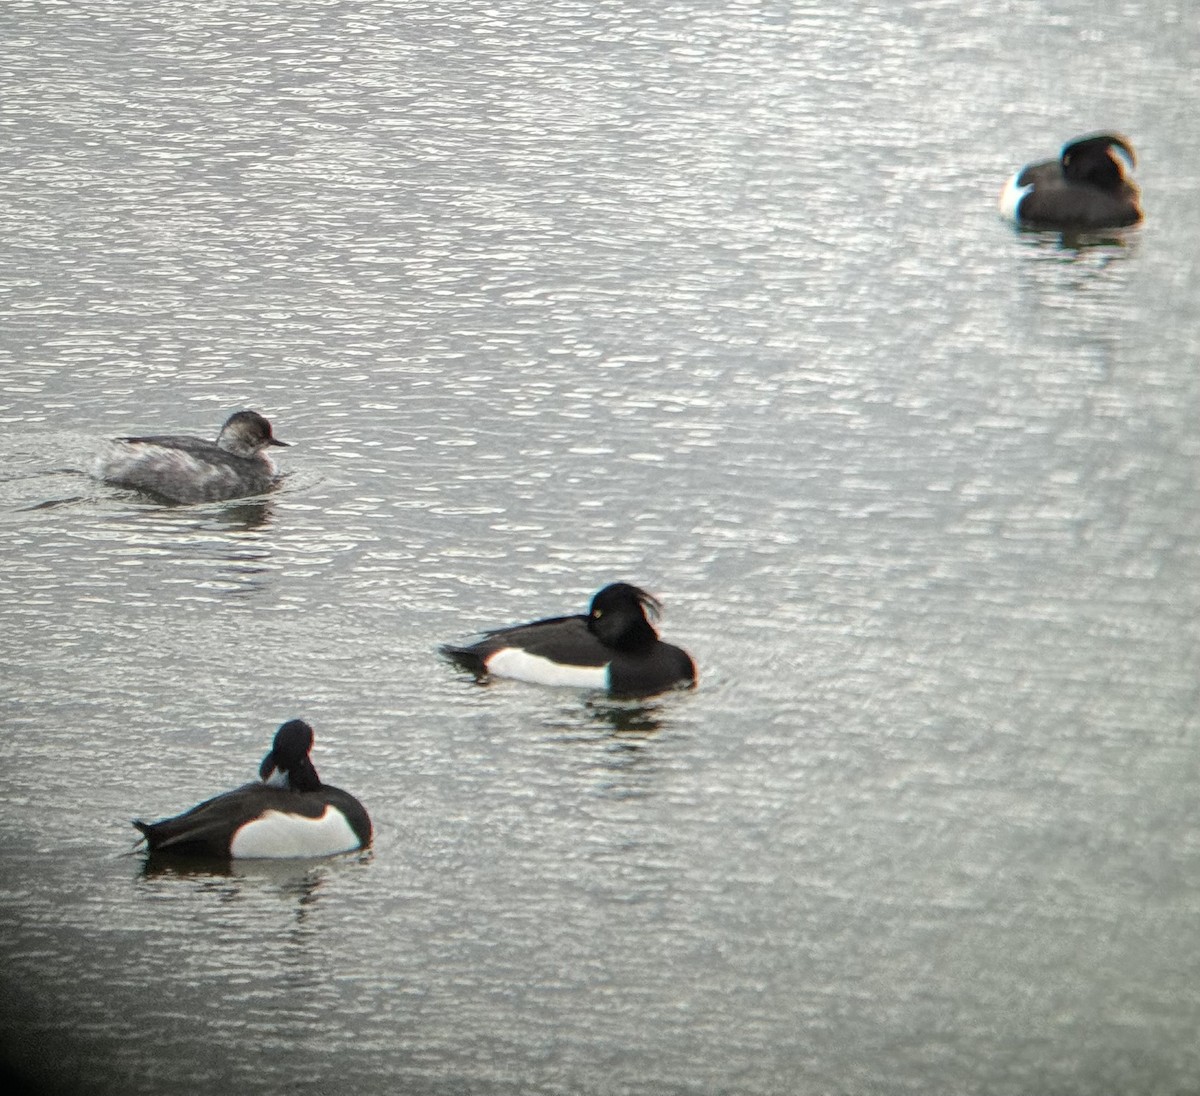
613 646
289 814
180 468
1085 188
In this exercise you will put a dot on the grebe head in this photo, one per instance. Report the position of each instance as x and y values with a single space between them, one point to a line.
246 433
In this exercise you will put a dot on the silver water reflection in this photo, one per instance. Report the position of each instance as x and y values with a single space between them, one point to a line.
711 297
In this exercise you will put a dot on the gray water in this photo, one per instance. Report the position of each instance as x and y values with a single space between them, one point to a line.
711 297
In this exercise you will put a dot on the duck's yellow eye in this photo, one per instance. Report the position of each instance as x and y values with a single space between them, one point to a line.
596 614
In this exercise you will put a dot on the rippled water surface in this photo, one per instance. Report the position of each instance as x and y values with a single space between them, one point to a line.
707 296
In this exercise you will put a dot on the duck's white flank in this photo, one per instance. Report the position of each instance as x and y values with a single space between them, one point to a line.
521 665
279 836
1011 195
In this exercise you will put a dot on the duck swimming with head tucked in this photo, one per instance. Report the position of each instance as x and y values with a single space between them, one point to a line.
1085 188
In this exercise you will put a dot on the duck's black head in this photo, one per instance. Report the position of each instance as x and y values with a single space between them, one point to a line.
1098 160
620 616
289 757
